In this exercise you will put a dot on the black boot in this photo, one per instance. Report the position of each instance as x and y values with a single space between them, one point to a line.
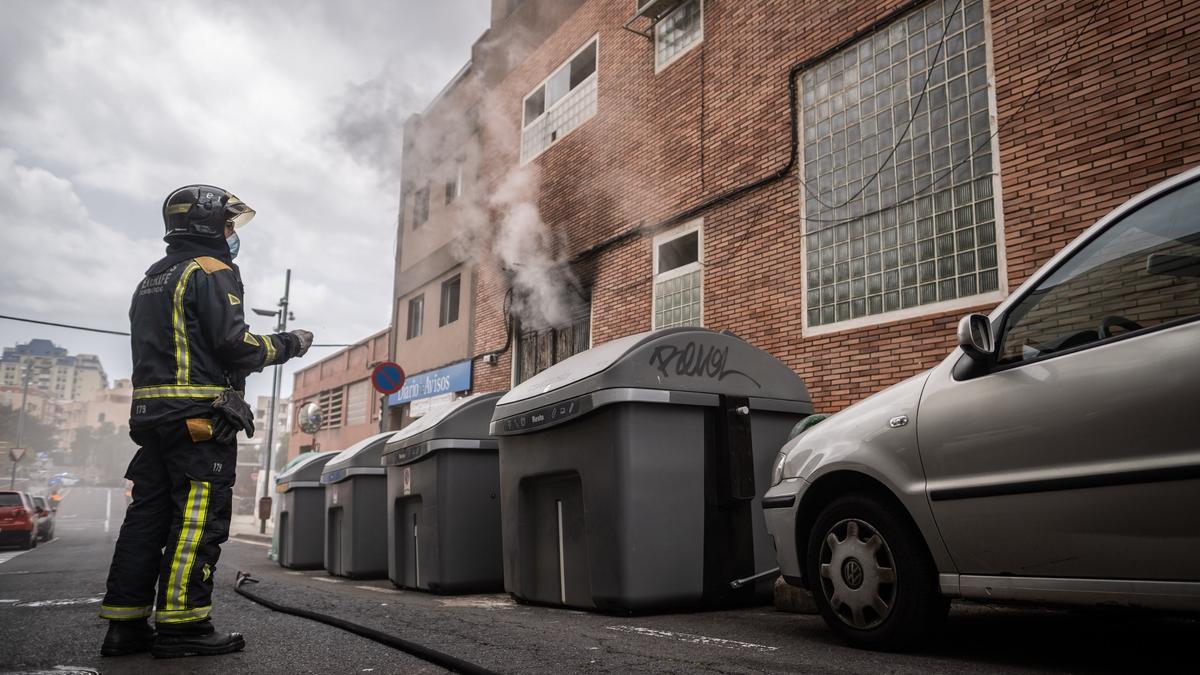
194 638
127 637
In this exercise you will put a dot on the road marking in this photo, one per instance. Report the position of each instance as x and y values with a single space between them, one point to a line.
327 580
239 540
9 555
380 589
8 600
695 639
295 573
62 602
57 670
479 602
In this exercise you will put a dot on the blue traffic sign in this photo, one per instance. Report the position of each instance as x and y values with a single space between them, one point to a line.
387 378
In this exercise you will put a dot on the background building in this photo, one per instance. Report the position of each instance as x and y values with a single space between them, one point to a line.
340 384
836 185
63 376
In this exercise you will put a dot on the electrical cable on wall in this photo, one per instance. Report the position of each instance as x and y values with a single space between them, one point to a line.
112 332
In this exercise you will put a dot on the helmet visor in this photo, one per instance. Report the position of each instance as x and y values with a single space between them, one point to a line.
237 212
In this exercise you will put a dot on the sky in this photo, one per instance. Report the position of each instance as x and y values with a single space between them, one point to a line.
295 106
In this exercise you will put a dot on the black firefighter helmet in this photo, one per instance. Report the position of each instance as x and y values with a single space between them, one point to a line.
203 211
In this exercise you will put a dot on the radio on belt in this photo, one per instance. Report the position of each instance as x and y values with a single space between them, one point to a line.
631 474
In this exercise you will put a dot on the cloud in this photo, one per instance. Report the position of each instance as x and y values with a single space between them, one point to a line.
296 107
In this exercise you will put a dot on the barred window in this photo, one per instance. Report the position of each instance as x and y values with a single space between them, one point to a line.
678 32
559 105
899 191
538 350
330 403
678 282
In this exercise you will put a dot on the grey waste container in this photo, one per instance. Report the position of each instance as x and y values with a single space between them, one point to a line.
302 513
443 479
356 510
632 473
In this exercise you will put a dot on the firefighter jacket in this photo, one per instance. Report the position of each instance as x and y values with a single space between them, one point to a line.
190 339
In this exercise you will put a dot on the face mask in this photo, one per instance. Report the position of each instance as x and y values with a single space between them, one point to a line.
234 245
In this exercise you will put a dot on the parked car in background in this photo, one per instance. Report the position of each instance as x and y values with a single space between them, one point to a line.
1052 458
18 520
46 517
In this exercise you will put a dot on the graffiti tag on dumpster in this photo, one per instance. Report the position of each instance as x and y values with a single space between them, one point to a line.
695 360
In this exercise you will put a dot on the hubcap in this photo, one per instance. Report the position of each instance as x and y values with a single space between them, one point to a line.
858 574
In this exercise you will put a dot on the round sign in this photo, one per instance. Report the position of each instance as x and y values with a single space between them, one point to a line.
310 418
387 378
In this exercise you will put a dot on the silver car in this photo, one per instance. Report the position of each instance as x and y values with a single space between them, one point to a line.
1052 458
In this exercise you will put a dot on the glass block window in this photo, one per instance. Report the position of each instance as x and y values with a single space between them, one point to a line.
899 181
559 105
678 280
678 32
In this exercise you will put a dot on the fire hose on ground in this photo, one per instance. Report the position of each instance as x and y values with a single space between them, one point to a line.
451 663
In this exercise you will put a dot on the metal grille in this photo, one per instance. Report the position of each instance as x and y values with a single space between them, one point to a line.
538 350
899 195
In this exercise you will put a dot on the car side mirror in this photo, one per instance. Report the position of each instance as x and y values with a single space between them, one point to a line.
975 337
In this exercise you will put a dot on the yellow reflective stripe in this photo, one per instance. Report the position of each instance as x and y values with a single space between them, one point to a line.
182 615
174 391
185 549
182 357
197 532
270 345
118 613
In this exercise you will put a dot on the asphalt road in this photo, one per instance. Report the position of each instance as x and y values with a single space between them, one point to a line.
49 598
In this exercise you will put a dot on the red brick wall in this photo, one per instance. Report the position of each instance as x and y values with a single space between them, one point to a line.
1119 114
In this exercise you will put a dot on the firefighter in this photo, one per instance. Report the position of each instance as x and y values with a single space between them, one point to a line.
192 351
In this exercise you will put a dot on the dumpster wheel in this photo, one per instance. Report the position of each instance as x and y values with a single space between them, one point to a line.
451 663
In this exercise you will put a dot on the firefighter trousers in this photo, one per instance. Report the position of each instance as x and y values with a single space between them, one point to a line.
174 526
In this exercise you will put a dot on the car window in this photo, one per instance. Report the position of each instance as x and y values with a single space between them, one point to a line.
10 499
1141 272
39 502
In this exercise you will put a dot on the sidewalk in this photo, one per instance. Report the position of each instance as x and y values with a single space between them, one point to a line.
246 527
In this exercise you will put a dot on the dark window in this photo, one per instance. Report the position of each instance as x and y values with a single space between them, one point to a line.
420 206
535 105
416 312
449 307
538 350
678 252
1142 272
451 190
10 499
583 65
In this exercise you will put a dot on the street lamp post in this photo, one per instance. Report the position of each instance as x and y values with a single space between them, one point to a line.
280 326
12 483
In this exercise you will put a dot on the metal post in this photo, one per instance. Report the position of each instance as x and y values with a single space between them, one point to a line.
280 327
12 483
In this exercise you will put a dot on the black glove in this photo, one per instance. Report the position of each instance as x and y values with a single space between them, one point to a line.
304 340
233 415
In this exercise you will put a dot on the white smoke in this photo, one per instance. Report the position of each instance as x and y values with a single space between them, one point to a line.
542 284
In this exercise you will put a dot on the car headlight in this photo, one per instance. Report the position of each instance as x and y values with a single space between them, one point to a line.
777 469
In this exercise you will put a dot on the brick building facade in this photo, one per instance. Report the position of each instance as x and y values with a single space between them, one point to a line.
944 150
340 385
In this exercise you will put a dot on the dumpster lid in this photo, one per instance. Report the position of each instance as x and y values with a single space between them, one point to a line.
686 359
362 455
466 418
305 471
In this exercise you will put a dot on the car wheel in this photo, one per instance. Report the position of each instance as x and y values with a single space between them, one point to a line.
30 543
872 577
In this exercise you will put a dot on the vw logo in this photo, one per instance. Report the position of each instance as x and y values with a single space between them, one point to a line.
852 573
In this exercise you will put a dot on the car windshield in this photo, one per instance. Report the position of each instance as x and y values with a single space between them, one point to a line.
10 499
